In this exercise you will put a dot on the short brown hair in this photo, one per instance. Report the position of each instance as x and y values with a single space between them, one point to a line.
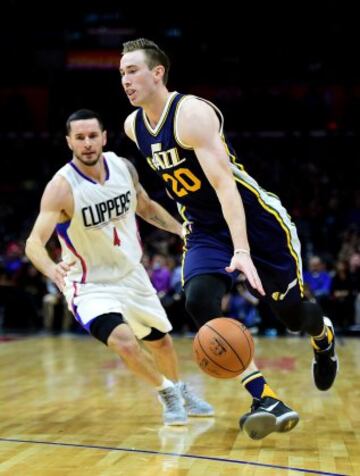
83 114
154 55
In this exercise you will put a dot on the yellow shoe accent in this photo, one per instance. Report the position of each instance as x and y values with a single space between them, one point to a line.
268 392
313 343
329 334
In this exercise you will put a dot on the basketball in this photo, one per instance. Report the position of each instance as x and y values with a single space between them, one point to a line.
223 347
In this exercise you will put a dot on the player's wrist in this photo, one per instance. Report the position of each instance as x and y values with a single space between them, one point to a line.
241 251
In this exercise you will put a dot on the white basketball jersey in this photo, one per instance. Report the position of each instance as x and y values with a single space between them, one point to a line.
102 236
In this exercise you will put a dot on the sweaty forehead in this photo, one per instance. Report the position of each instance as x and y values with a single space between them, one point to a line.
85 126
133 58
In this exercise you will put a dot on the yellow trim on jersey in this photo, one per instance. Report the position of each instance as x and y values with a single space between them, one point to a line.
177 138
280 220
182 214
230 155
154 132
217 112
242 168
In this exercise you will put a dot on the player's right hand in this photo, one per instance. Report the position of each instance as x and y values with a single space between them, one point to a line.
59 274
243 262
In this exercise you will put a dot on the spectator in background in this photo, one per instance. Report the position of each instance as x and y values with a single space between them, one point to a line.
13 260
160 274
342 296
319 281
241 304
350 243
354 273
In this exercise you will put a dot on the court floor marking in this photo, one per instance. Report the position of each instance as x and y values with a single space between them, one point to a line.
164 453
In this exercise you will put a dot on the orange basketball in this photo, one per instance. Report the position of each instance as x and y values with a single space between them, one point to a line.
223 347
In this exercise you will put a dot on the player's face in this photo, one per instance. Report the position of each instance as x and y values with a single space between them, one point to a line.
138 81
86 140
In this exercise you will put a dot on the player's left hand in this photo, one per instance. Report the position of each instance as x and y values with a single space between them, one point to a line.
244 263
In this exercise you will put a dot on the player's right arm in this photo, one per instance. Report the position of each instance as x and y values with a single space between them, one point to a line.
198 127
56 204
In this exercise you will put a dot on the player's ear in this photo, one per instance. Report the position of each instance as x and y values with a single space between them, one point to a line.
104 134
68 142
159 72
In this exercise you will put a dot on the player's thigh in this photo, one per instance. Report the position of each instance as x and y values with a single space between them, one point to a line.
141 306
88 301
208 254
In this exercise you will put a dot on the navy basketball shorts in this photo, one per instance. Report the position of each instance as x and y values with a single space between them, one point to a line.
275 251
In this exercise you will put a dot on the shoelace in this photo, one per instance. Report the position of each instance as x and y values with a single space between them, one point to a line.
170 399
189 396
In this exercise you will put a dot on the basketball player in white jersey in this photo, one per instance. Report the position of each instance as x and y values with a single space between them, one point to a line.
91 202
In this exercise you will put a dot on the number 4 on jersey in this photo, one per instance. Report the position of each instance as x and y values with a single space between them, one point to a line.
117 241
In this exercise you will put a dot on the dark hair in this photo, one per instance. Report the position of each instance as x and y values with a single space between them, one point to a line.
82 114
153 54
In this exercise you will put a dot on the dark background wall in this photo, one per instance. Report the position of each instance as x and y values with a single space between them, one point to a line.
286 77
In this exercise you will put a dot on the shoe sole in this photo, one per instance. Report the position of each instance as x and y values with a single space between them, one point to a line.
176 423
262 424
287 422
209 414
328 323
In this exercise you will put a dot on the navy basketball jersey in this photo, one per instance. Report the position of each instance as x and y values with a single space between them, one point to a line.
178 165
272 235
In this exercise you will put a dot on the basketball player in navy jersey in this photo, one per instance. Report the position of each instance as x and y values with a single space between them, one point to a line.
91 202
232 224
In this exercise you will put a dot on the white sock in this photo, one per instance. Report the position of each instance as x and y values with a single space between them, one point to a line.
166 383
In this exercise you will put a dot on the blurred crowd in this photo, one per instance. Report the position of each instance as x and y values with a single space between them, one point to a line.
316 178
31 303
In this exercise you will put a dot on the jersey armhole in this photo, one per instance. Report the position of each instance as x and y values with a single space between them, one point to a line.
178 107
176 133
72 188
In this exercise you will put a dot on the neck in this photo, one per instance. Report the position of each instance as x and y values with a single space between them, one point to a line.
96 171
155 107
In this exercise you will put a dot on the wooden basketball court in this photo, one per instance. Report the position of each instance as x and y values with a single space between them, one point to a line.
69 407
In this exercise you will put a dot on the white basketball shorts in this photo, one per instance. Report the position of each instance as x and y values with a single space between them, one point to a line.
133 296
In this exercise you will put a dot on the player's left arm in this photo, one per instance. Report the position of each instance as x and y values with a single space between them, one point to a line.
152 211
198 127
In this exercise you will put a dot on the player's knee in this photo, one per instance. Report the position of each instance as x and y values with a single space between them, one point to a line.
156 337
303 316
294 326
290 315
123 343
196 307
203 297
313 321
102 326
164 343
